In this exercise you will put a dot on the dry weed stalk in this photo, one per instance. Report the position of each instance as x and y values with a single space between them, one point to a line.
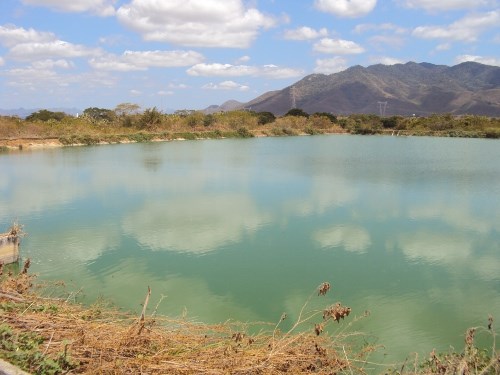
99 339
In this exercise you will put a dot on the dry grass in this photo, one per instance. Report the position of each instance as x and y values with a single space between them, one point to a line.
100 339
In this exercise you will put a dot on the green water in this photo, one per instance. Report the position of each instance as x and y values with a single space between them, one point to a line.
407 228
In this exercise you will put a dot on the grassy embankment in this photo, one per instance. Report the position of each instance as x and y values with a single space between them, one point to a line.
152 125
43 330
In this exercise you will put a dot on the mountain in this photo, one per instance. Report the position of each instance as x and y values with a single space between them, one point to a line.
25 112
400 89
230 105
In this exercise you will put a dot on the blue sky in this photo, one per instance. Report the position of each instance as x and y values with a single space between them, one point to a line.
188 54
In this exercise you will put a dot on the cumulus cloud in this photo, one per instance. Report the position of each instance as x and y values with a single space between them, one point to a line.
228 70
100 7
480 59
328 66
346 8
52 64
142 60
305 33
226 85
465 29
52 49
58 48
385 60
380 41
337 46
11 36
432 5
389 27
195 23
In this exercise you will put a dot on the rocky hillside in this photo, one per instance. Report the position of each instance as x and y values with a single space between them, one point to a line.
411 88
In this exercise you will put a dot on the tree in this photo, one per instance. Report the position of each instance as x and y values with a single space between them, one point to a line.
265 118
96 114
46 115
297 112
127 109
150 118
330 117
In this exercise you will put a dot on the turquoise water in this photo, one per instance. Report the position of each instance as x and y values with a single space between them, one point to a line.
407 228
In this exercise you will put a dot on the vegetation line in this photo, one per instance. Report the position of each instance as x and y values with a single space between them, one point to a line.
127 124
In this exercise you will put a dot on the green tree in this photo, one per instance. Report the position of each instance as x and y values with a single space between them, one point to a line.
127 109
150 118
329 116
265 118
297 112
99 114
46 115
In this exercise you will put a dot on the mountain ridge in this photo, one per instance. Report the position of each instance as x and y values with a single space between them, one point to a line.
410 88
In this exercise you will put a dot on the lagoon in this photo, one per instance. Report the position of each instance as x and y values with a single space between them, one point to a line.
407 228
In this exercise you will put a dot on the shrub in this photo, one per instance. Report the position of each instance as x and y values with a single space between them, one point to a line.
297 112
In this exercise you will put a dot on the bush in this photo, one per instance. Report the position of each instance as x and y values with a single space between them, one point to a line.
150 118
45 115
265 118
297 112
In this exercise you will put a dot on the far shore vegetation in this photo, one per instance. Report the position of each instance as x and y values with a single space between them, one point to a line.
128 123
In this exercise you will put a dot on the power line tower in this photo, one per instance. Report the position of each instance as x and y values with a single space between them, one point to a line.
382 106
293 95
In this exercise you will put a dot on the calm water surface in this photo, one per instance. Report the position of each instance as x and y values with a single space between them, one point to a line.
407 228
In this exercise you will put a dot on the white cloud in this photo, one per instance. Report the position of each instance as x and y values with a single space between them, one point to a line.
243 59
328 66
195 23
305 33
142 60
226 85
346 8
228 70
11 36
366 27
443 47
135 92
351 238
385 60
165 93
337 46
2 61
51 64
100 7
432 5
465 29
393 41
47 50
177 86
495 61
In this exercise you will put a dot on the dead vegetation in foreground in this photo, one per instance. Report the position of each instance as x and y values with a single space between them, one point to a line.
44 334
55 335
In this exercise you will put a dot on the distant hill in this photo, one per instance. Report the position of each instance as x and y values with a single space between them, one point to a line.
411 88
230 105
25 112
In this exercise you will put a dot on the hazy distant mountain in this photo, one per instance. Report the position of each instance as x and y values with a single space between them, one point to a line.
411 88
24 112
230 105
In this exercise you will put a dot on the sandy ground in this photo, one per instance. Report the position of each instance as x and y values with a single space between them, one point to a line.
30 143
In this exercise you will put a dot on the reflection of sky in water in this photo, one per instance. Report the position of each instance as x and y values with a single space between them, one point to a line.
405 227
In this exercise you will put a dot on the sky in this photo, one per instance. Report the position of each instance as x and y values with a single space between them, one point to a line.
189 54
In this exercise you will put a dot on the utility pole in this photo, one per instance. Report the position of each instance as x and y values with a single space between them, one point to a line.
382 106
293 94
